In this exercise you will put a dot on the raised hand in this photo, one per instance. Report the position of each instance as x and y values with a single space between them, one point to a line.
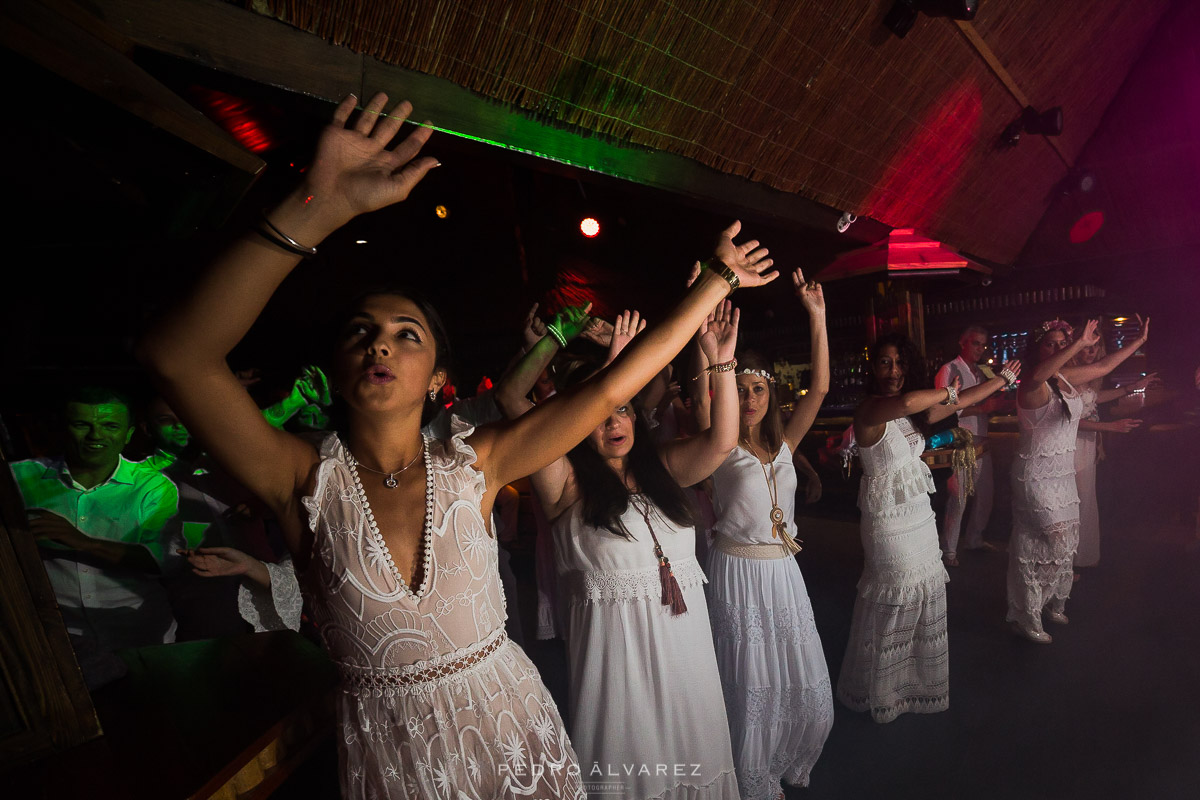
1145 326
313 386
718 335
626 326
572 321
748 261
533 329
1091 333
1013 366
599 331
811 295
354 172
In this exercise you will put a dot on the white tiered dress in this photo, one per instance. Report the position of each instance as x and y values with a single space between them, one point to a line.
436 702
647 718
897 659
773 672
1045 509
1086 460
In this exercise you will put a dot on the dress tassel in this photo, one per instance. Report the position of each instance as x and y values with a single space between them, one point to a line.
672 595
791 544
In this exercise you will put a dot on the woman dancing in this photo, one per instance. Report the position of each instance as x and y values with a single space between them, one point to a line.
773 671
387 527
897 658
645 696
1045 532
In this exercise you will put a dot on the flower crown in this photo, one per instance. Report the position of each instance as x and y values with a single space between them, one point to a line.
762 373
1052 325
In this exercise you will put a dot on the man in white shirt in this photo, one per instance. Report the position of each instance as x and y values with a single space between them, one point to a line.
105 526
972 345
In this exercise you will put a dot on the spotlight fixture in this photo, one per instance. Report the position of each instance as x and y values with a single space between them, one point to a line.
845 221
1079 181
589 227
1045 123
903 14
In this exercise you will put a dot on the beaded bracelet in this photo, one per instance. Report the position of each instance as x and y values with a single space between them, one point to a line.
951 396
557 334
1008 376
728 366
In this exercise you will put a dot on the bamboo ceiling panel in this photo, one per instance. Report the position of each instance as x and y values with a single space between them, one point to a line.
815 98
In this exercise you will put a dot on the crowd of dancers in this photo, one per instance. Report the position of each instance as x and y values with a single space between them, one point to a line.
690 676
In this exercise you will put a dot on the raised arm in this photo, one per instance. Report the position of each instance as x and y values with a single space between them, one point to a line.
812 297
518 380
977 393
549 431
693 459
1150 381
352 173
1098 369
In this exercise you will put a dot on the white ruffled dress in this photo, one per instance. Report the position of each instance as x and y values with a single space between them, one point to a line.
1045 535
897 659
436 702
647 718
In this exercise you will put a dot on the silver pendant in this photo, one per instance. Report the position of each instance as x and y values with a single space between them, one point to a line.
391 481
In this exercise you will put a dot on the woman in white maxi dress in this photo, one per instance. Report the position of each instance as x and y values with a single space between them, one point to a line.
646 712
773 672
386 526
1045 536
897 658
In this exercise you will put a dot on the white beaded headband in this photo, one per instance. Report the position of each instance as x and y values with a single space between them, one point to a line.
762 373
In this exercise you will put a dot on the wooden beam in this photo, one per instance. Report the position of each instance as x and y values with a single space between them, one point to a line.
989 57
58 43
230 39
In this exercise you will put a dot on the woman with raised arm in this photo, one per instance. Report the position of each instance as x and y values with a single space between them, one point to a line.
645 696
897 658
1045 535
388 528
773 671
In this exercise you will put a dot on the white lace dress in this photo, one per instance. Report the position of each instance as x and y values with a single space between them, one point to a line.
1045 531
773 672
1086 460
436 702
897 659
647 718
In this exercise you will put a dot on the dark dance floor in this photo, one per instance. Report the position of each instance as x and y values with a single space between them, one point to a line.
1111 709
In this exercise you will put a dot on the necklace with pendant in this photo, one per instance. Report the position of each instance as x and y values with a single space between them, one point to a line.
778 527
390 481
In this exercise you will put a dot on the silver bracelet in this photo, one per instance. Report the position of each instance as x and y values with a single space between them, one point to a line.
1008 376
951 396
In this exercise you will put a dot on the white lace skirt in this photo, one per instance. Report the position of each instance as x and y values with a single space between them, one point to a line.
898 659
647 718
1088 554
773 672
1045 536
489 731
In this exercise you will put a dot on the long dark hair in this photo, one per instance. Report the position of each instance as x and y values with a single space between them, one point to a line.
772 424
443 356
914 371
605 496
1033 355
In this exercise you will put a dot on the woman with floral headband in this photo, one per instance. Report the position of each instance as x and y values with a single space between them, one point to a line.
773 672
1045 532
897 658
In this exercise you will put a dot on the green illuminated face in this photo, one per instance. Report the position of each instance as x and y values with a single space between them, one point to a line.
96 434
165 429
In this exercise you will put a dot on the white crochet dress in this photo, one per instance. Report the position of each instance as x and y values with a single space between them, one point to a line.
1045 508
773 672
897 659
436 702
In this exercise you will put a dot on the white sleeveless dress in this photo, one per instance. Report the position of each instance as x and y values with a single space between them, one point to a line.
436 702
647 718
1045 531
1086 462
773 672
897 659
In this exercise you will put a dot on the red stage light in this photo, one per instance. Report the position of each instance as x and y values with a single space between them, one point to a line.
1086 227
589 227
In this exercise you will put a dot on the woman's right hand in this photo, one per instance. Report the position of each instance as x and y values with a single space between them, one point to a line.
625 327
747 260
718 335
1090 333
354 171
1124 425
1013 367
